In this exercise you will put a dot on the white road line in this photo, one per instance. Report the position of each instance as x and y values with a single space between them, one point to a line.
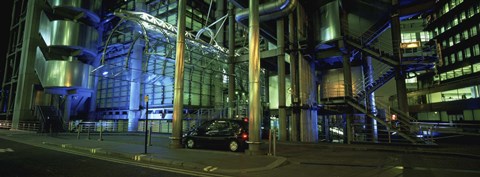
128 162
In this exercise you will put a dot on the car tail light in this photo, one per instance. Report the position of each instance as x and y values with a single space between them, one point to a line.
244 136
245 119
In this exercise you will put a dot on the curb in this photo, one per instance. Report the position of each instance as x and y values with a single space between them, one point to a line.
150 159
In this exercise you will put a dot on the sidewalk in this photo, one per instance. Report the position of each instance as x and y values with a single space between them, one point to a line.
132 146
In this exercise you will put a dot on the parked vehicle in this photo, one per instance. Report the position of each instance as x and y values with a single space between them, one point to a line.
229 133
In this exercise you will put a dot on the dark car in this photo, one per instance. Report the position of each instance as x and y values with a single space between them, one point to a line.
230 133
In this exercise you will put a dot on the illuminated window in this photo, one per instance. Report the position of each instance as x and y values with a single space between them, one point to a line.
452 58
457 38
443 76
463 16
476 67
445 8
444 44
450 75
455 22
471 12
476 50
460 56
424 36
465 35
409 37
467 70
452 3
473 31
458 72
467 52
445 60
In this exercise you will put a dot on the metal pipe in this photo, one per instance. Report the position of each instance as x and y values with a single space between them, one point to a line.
294 78
268 11
218 14
254 77
282 114
179 76
231 61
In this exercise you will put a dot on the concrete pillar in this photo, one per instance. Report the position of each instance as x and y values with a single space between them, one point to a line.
67 108
176 137
292 37
232 99
255 115
400 73
282 113
26 76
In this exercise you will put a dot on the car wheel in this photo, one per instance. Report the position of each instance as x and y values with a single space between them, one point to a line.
190 144
233 146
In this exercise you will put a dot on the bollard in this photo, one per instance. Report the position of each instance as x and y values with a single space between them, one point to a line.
389 138
274 141
150 136
101 130
78 131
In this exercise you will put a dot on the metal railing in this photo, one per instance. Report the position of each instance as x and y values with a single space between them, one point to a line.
33 126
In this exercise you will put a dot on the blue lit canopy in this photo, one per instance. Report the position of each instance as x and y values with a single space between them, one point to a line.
156 34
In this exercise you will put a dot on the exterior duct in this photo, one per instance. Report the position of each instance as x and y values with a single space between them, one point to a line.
267 11
62 73
58 33
90 8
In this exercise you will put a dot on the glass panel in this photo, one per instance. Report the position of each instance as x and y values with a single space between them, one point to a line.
476 50
467 70
460 56
467 52
458 72
476 67
450 75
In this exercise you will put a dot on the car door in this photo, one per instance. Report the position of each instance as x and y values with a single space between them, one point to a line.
200 136
218 132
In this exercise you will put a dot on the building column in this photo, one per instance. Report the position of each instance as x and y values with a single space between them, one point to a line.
282 113
347 78
219 11
67 108
370 99
232 98
134 112
308 113
400 73
255 114
26 76
176 138
295 116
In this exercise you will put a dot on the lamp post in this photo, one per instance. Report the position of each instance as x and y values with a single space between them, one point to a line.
146 124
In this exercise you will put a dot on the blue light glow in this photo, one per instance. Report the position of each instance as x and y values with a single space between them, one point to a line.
105 73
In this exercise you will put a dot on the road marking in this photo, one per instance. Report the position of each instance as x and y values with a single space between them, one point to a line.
138 157
127 162
7 150
210 168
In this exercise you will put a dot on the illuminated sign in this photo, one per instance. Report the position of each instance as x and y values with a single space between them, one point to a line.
406 45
